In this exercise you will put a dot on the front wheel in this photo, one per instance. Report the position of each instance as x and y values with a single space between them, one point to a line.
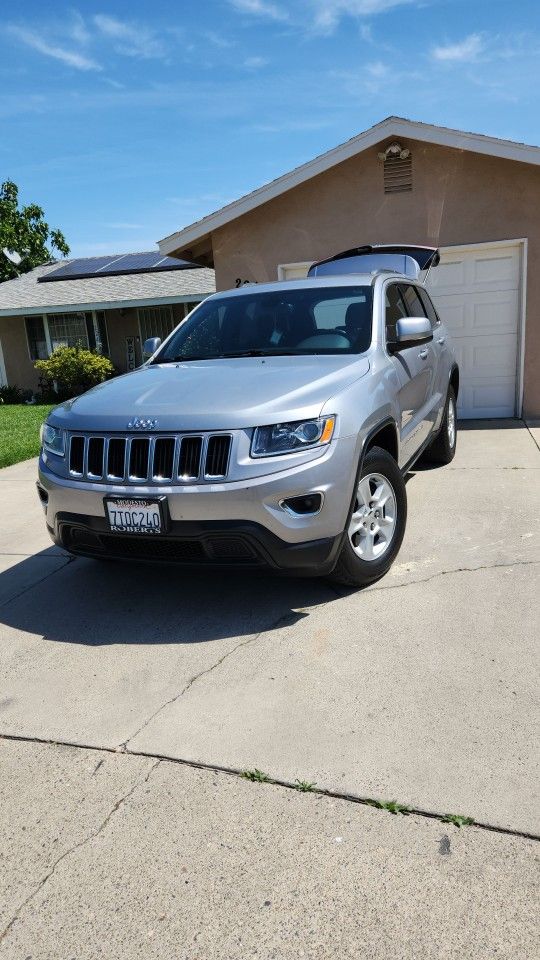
376 523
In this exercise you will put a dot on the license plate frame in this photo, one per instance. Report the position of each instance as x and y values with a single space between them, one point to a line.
122 505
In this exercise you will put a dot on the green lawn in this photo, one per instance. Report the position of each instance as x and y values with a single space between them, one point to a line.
19 431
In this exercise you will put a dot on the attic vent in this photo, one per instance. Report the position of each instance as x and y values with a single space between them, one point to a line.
397 173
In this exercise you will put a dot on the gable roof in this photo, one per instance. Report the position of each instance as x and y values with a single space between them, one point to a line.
24 295
397 127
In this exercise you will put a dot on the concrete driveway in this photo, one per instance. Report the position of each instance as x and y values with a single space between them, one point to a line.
421 689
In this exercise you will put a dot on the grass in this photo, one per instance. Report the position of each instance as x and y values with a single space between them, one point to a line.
19 431
304 786
457 820
392 806
256 776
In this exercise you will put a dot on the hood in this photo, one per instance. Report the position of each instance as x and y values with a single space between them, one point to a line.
213 394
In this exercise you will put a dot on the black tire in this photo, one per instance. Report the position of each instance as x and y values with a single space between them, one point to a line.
351 569
442 450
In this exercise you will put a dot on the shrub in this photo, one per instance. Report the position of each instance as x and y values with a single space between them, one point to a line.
70 371
12 395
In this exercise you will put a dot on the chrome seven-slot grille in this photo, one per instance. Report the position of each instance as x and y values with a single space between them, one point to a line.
174 459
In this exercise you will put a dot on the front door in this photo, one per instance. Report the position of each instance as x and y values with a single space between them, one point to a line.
415 369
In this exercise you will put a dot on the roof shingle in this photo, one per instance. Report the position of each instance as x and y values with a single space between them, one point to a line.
25 294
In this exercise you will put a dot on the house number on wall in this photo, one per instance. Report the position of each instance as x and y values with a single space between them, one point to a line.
242 283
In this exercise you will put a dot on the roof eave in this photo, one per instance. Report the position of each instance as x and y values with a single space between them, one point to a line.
390 127
103 305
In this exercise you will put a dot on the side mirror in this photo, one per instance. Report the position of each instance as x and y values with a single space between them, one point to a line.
411 332
150 347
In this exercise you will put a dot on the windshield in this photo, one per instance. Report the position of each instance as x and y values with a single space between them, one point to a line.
301 321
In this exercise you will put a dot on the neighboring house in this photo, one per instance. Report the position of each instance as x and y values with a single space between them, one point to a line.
476 197
111 304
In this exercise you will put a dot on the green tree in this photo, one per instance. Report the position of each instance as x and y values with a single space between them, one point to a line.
24 234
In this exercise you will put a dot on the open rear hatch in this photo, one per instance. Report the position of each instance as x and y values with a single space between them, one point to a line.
401 258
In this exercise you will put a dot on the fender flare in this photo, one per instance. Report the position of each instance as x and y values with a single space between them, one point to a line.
387 421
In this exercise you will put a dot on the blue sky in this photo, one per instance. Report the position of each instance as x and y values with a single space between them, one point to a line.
129 120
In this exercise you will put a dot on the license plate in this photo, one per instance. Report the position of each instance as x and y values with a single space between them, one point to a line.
134 516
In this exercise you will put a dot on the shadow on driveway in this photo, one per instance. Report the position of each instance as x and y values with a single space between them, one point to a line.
100 603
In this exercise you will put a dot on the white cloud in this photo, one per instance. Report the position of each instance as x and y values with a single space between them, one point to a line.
377 69
255 63
115 84
78 30
261 8
131 39
466 51
218 40
328 13
70 57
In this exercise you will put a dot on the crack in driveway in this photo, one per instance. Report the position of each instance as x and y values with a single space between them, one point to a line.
445 573
281 621
77 846
35 583
360 800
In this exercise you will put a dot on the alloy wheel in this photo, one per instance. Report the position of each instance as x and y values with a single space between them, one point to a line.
373 522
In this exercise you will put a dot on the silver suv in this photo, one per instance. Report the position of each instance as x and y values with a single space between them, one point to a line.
274 427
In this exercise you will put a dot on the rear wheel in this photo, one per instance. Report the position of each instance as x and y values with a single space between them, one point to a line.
443 448
376 522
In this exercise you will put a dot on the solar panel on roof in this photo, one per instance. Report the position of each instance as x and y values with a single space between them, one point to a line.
86 267
149 262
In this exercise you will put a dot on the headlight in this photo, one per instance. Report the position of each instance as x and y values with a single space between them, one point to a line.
290 437
52 439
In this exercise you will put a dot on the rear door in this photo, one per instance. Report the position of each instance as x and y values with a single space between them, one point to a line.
414 369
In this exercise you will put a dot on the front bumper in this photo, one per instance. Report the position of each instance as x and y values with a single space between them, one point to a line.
223 524
211 543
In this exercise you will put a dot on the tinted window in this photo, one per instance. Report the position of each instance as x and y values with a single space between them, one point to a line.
302 321
430 309
413 302
395 309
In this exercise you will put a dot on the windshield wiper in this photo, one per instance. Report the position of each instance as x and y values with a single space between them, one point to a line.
185 359
229 356
257 353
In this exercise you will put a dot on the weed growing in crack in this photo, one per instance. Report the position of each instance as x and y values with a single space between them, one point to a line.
392 806
304 786
457 820
256 776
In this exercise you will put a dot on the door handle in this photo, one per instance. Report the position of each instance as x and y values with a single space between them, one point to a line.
442 340
423 354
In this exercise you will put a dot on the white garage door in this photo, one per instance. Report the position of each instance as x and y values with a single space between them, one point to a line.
477 292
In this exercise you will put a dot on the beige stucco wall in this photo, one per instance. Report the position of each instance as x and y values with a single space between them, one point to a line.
120 324
19 367
458 197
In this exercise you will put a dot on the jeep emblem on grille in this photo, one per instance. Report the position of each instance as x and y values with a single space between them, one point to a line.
143 423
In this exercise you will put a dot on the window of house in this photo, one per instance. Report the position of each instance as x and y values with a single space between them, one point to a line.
37 341
81 329
155 322
68 330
